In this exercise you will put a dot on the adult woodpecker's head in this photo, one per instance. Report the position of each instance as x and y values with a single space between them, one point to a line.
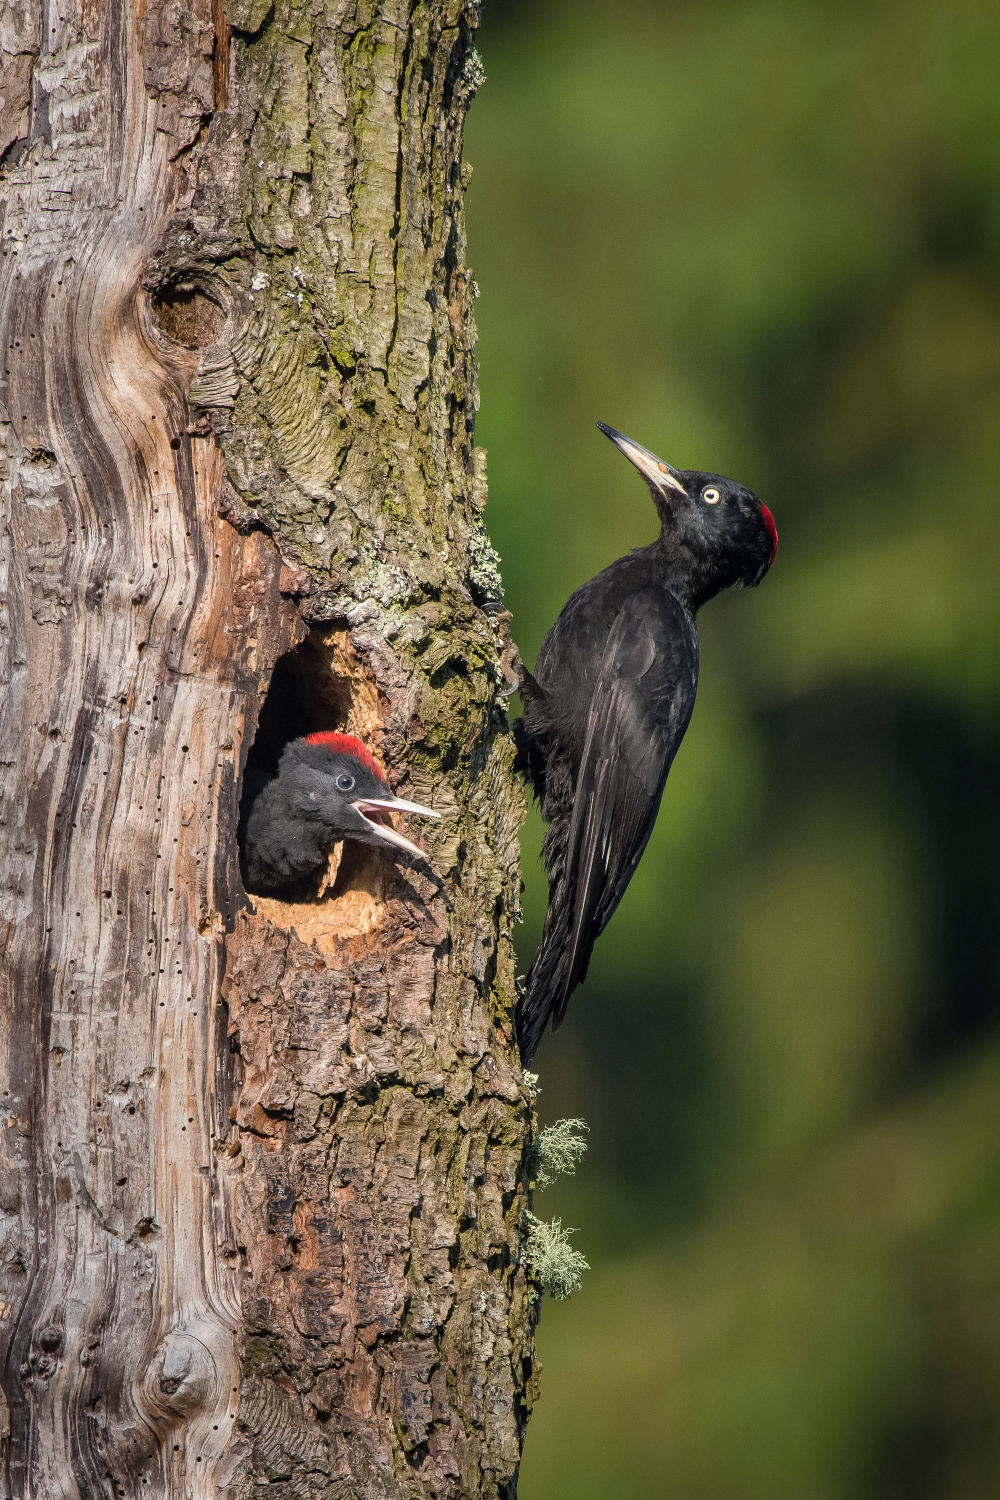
341 776
718 533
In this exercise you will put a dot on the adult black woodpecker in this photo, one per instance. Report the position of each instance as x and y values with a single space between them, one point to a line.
608 703
328 787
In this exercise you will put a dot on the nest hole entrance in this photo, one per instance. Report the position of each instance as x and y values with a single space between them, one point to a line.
319 686
189 317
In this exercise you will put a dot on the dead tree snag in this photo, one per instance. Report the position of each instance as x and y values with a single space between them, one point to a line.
261 1185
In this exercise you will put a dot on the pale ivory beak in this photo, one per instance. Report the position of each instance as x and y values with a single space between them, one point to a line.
649 466
393 804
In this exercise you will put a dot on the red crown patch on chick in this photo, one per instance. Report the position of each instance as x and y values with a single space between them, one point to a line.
314 802
346 744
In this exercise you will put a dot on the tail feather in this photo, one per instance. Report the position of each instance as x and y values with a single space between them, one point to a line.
552 978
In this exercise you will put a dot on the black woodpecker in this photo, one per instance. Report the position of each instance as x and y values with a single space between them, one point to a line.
328 787
608 703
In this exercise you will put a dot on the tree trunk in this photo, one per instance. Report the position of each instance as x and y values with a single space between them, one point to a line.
261 1188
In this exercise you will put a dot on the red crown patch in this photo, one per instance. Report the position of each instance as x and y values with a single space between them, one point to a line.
346 744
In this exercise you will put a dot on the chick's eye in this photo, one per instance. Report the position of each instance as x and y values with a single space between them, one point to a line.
711 497
345 783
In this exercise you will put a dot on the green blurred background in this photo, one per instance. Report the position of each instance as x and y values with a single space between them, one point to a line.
765 239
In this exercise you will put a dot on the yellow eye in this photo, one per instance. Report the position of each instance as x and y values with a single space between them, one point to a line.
711 497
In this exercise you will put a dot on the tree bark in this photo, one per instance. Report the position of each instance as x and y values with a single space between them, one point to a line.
261 1183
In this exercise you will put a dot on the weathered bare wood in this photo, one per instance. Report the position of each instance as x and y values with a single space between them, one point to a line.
261 1183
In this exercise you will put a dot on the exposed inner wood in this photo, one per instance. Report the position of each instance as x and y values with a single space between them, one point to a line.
349 901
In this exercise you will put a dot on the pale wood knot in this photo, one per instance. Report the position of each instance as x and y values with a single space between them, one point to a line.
187 1373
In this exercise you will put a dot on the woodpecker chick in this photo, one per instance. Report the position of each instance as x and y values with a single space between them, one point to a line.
608 703
328 787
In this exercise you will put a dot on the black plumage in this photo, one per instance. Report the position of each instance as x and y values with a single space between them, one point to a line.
607 706
328 787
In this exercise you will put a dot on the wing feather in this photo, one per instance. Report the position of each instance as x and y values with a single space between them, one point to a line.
639 711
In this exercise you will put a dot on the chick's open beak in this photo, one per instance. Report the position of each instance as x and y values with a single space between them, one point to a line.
373 810
649 466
